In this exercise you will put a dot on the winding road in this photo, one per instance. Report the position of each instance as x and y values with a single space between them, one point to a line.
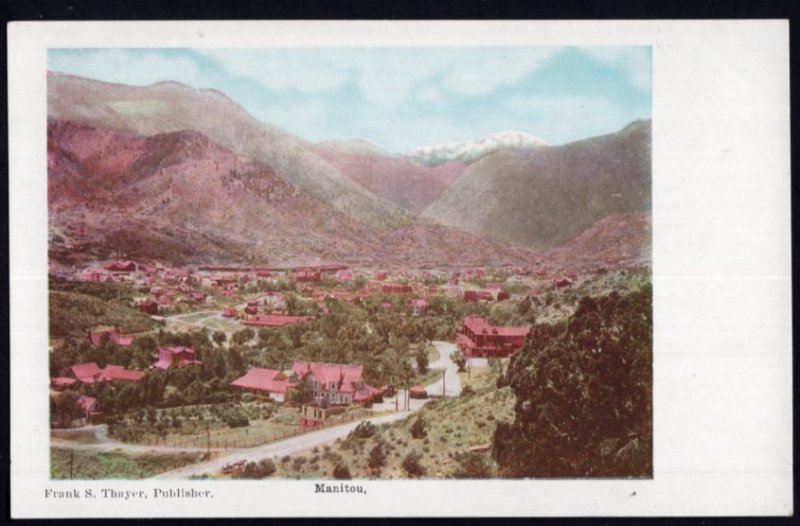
290 445
279 449
452 383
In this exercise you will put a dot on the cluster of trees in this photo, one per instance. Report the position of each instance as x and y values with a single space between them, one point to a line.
190 385
584 394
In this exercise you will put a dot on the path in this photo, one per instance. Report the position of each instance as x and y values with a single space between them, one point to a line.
451 380
105 443
278 449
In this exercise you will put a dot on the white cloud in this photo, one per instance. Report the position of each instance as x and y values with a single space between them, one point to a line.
430 94
489 69
385 76
136 67
634 62
277 69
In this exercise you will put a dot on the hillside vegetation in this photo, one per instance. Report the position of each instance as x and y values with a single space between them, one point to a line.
73 313
584 394
446 438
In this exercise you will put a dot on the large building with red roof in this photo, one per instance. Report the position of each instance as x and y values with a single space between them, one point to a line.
90 373
113 335
269 382
175 357
478 338
275 320
334 384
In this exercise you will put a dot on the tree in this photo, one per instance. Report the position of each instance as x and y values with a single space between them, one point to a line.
584 394
457 357
64 408
412 466
377 456
220 337
422 360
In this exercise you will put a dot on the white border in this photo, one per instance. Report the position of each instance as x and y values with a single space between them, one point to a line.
723 408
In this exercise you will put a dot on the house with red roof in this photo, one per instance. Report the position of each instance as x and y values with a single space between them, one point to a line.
90 410
560 283
305 275
89 373
479 338
230 312
418 391
148 306
96 337
419 307
62 382
275 320
122 266
344 276
113 373
176 356
334 384
268 382
396 288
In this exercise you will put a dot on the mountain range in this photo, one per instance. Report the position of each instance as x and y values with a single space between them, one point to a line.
470 151
174 173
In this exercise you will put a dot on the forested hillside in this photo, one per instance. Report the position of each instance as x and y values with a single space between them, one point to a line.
584 394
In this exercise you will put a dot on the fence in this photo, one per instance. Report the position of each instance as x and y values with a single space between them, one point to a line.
223 444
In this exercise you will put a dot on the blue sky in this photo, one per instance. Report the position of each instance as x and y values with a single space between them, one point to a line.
401 98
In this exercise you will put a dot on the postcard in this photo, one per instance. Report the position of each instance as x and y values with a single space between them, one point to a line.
400 269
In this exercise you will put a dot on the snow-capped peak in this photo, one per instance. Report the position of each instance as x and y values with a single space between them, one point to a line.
470 151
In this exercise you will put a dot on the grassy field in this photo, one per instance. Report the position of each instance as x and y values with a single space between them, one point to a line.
476 377
88 464
453 427
198 427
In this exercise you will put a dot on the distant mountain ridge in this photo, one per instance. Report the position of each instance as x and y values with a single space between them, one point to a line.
180 197
470 151
541 198
169 107
168 171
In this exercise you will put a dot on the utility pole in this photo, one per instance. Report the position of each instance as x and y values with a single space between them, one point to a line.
208 439
444 375
71 460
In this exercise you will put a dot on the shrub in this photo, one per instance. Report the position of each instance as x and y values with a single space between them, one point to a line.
472 466
467 391
458 358
418 428
364 430
237 421
253 470
341 471
377 456
412 466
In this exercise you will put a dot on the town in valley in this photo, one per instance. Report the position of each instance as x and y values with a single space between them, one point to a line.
229 301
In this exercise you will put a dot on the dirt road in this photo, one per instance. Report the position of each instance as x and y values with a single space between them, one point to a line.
277 449
452 383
